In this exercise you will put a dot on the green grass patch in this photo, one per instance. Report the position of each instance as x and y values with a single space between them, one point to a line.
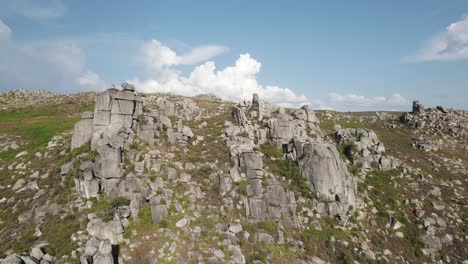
57 232
271 151
105 206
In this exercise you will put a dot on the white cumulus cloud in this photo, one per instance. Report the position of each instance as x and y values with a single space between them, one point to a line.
450 45
33 9
236 82
91 79
157 56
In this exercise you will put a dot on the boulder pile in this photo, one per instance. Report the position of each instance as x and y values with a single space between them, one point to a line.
363 147
437 121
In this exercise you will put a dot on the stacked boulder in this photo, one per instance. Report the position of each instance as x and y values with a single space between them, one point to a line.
97 252
111 230
363 147
114 125
438 121
182 134
153 125
283 127
265 197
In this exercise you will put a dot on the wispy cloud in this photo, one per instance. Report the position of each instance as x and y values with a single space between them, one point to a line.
43 9
58 65
450 45
157 56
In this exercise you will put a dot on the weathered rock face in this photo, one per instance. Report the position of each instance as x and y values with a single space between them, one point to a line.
114 110
239 115
307 115
283 127
97 251
265 199
437 121
83 130
363 147
184 108
327 175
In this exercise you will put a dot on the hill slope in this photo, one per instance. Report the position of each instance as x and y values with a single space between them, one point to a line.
160 178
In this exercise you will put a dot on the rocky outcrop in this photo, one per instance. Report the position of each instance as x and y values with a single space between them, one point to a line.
437 121
327 176
308 116
363 148
116 111
181 136
265 198
283 127
298 135
97 252
184 108
111 128
260 109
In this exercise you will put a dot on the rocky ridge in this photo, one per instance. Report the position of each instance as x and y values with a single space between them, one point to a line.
158 178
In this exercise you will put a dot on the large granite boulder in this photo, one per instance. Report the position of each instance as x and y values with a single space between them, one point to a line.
327 174
97 252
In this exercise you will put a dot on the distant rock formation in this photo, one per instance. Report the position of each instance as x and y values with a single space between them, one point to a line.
437 121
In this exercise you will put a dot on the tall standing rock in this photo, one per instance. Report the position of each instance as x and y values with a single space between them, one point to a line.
111 128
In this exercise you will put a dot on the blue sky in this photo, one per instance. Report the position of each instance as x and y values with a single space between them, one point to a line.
345 55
